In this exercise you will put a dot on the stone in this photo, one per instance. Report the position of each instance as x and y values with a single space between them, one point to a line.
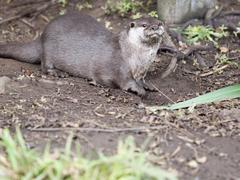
180 11
4 80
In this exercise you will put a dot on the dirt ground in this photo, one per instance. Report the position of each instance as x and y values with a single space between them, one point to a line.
203 143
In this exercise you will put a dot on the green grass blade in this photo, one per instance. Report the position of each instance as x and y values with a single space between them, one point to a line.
129 163
230 92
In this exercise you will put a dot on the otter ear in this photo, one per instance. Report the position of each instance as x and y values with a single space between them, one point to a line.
132 24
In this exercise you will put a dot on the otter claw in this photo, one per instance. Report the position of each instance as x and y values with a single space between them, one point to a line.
135 88
149 87
93 83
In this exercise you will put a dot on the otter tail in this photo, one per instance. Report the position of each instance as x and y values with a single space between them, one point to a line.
25 52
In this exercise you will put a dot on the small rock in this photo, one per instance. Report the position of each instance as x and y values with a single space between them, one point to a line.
4 80
72 100
193 164
202 159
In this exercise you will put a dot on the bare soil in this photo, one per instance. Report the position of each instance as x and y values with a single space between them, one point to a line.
203 143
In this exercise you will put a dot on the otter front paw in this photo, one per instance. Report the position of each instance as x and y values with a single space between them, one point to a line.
135 88
139 91
147 86
94 83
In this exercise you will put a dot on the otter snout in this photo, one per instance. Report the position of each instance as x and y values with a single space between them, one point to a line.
154 27
154 31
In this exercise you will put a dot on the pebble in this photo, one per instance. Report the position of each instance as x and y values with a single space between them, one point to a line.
4 80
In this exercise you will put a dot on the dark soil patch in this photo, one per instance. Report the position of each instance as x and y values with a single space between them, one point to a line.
199 144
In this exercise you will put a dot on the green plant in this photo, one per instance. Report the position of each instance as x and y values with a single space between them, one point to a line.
136 16
123 7
20 162
63 2
84 5
196 34
230 92
153 14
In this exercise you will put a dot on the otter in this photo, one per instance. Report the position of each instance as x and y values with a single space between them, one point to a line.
79 45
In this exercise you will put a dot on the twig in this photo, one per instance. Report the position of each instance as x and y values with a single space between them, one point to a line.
190 72
214 71
27 23
167 40
27 12
12 18
109 130
163 93
230 13
171 67
30 2
193 49
45 18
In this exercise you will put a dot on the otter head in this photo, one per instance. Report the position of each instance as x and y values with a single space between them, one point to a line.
146 30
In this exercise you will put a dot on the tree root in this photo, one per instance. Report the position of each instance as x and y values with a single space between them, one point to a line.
178 55
213 19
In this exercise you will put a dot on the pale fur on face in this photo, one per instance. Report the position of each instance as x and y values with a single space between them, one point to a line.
135 35
143 55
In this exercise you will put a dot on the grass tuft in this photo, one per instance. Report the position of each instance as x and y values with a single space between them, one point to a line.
20 162
196 34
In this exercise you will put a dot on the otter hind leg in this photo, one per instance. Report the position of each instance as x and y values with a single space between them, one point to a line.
47 67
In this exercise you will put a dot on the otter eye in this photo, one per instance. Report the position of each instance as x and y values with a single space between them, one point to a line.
132 24
144 25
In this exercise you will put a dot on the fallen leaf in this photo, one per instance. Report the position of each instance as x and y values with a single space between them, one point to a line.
224 49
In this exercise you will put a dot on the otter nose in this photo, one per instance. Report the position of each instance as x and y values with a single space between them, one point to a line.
154 27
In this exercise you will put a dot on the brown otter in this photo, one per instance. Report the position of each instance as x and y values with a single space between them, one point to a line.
77 44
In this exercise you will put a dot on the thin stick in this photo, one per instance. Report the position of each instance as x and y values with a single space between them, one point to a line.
167 40
30 11
231 13
163 94
214 71
171 68
27 23
109 130
31 2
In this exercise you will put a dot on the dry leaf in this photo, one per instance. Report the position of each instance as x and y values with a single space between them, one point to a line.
224 49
